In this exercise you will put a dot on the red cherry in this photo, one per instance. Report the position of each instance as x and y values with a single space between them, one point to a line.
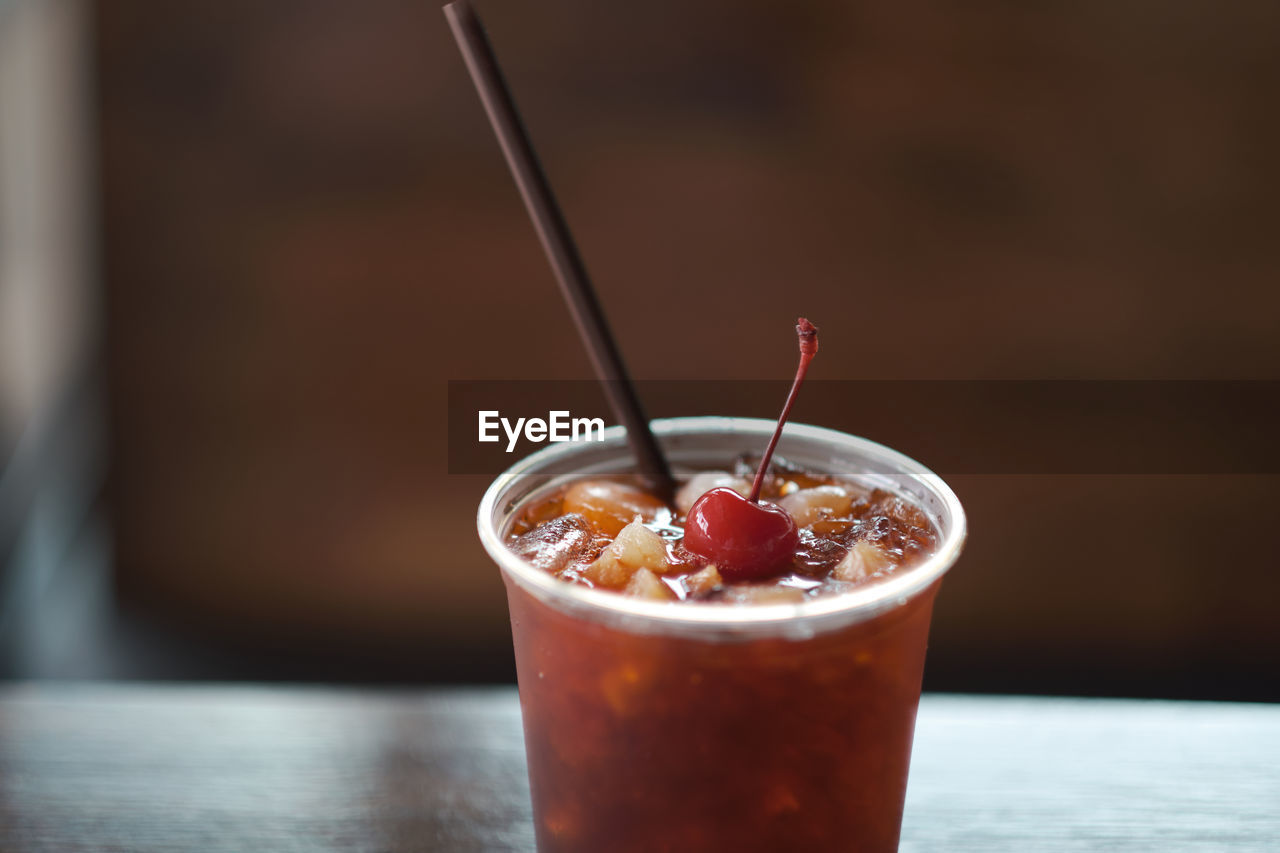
746 540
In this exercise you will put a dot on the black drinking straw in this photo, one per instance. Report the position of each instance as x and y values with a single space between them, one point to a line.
557 243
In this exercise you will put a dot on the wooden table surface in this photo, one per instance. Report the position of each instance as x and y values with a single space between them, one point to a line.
253 769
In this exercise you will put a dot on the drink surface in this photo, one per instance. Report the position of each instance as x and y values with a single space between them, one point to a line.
609 533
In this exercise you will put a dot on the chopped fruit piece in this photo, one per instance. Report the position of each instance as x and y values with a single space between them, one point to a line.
640 547
809 506
703 583
863 560
610 506
637 547
701 483
607 572
554 544
645 584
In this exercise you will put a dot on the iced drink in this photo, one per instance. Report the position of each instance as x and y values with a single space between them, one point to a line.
668 706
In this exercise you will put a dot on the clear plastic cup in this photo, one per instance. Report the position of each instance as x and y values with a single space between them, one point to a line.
685 726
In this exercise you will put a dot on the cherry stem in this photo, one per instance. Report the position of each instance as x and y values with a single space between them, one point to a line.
808 334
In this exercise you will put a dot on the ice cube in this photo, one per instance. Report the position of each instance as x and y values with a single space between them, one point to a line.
897 526
817 555
555 544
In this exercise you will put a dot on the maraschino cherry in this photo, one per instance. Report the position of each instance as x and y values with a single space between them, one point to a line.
747 539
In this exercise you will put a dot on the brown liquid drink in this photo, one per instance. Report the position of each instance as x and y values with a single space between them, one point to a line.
716 723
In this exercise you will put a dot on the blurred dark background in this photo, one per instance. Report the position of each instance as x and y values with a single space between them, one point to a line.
244 246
